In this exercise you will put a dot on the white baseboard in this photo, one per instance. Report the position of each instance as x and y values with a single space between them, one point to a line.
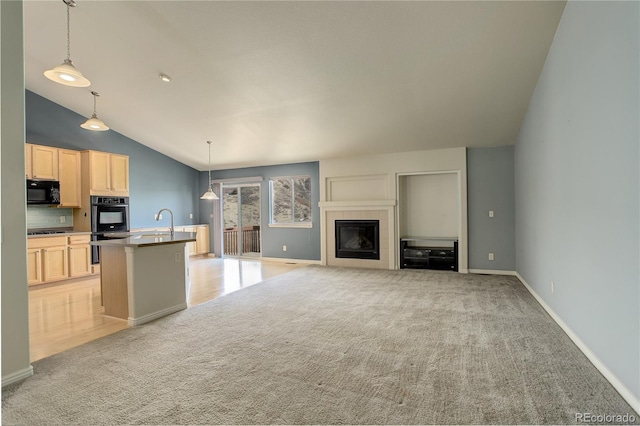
155 315
282 260
492 272
17 376
464 270
631 399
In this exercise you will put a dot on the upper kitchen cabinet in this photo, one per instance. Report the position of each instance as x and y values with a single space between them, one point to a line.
120 174
42 162
28 151
108 174
69 162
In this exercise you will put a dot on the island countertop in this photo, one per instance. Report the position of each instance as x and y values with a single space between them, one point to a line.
144 239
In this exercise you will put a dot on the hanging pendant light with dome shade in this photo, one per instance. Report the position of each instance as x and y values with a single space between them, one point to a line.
209 195
66 73
94 123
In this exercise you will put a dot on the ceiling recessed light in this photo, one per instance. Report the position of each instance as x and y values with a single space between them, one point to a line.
165 78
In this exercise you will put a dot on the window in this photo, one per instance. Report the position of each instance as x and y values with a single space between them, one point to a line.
290 199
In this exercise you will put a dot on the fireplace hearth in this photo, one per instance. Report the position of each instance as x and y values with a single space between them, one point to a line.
358 239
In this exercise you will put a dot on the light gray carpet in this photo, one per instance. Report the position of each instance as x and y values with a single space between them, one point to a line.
326 345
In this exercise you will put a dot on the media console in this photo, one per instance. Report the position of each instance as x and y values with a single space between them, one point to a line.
429 253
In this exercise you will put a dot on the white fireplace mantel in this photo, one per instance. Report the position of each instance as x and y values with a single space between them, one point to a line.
382 210
360 205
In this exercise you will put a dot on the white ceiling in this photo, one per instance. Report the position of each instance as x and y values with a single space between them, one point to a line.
281 82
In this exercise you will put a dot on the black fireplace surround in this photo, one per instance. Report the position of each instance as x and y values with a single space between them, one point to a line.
358 239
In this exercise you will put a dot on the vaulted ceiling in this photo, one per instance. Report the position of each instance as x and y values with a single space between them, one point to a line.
281 82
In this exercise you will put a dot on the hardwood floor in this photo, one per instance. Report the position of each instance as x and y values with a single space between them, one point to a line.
67 314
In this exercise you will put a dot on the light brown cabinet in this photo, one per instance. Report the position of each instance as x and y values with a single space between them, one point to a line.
202 239
191 246
102 173
34 266
27 156
79 256
119 174
107 174
41 162
46 259
55 265
69 173
58 258
201 244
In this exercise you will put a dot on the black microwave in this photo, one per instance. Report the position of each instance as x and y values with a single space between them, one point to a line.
43 192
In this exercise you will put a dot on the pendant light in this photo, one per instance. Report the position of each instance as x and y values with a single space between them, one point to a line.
209 195
94 123
66 73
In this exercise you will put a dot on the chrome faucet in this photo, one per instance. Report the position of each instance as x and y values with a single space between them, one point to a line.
171 213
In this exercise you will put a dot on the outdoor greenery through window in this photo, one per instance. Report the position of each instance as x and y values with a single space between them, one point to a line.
290 200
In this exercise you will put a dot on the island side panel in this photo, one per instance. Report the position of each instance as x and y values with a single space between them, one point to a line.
113 279
157 276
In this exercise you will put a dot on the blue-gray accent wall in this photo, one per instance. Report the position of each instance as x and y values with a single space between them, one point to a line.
155 180
302 243
577 183
490 186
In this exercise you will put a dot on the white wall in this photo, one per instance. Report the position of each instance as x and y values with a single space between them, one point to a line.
15 318
376 177
429 205
577 185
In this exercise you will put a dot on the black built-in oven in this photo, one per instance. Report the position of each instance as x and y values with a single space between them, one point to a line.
108 215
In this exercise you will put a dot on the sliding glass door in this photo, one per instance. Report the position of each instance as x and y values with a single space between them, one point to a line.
241 220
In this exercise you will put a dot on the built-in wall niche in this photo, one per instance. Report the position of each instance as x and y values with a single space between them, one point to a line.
429 205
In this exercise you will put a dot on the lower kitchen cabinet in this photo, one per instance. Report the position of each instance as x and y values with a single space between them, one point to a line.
79 256
201 244
58 258
34 266
202 239
55 263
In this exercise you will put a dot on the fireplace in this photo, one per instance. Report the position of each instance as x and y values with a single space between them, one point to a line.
358 239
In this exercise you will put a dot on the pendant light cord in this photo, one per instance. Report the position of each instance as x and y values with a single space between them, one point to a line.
209 142
68 35
69 3
95 96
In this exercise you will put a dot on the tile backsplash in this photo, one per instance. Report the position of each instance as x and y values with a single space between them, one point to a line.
49 217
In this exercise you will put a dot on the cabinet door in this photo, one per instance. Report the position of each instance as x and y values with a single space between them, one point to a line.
69 162
99 163
34 266
202 240
27 155
79 260
192 248
120 174
55 264
44 162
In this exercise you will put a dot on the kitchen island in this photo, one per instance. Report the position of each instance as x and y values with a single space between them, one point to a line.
144 276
